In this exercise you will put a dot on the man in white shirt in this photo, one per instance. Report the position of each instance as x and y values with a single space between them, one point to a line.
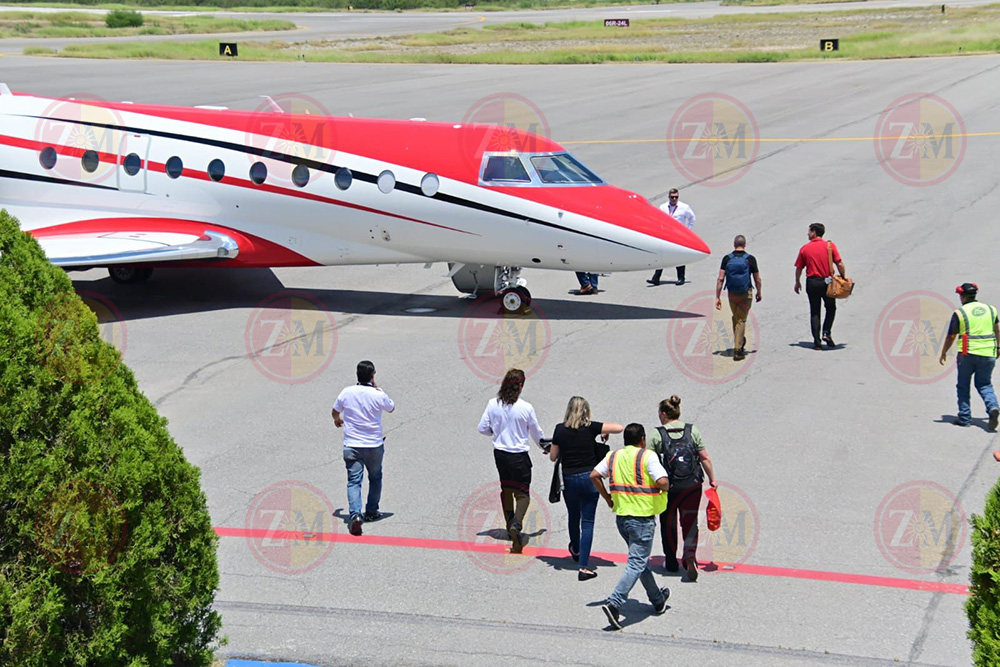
358 409
511 420
683 214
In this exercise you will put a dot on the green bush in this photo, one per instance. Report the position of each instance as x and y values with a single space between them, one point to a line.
107 554
123 18
983 605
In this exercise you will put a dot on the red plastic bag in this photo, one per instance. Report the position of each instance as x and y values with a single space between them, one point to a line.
713 512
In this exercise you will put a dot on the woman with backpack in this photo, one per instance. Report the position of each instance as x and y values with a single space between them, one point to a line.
575 448
679 446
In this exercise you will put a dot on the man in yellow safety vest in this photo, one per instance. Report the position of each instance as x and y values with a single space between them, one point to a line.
975 324
638 495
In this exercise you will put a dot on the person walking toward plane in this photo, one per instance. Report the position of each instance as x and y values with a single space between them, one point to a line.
816 258
976 324
680 448
737 269
358 409
638 485
511 420
575 448
683 214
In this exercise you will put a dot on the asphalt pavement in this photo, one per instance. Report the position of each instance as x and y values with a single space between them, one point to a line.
845 487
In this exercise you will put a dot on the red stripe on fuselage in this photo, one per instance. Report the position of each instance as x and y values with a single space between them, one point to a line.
109 158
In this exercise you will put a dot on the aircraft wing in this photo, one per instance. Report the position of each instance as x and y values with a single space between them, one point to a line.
137 245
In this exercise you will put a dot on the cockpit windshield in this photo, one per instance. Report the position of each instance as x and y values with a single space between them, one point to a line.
562 168
535 170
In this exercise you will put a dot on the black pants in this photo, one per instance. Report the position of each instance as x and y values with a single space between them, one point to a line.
515 480
681 504
816 291
659 272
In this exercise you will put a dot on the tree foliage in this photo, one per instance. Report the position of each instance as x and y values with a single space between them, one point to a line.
107 553
983 605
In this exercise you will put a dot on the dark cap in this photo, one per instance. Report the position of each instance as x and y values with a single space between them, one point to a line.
968 289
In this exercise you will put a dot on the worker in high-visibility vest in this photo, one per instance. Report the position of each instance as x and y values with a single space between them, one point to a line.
975 325
638 495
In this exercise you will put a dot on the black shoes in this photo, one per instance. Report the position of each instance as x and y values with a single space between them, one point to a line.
517 538
611 612
740 354
671 565
653 282
817 345
370 517
584 575
692 569
575 555
994 418
356 522
662 607
828 339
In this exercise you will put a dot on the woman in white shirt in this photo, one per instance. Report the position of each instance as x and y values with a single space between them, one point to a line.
511 421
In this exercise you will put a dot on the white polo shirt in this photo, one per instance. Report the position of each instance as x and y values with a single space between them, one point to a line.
682 213
510 425
361 406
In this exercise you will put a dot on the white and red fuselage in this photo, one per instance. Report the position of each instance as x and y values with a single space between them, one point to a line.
106 184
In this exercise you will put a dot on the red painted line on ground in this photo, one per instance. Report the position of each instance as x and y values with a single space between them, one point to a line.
711 568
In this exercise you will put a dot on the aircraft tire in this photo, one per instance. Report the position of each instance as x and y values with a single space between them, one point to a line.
128 275
515 300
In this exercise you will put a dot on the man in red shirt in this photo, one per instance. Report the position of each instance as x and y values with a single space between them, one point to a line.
815 259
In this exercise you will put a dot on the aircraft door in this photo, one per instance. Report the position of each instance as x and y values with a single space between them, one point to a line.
133 155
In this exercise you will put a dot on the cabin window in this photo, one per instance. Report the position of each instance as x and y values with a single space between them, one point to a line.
505 169
386 182
300 175
48 157
563 169
132 164
216 170
343 178
90 161
174 166
430 184
258 173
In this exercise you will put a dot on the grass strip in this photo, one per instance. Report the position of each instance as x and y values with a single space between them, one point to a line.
873 34
82 24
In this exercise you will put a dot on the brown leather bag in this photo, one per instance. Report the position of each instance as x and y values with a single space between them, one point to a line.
837 288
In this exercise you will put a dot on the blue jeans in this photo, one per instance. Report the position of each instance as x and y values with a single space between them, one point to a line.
980 371
357 459
581 503
638 532
587 279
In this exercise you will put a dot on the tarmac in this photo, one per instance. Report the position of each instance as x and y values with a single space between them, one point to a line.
844 485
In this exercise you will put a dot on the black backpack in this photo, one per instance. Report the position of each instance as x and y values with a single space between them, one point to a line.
680 457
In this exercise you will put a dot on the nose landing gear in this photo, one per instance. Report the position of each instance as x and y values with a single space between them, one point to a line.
515 299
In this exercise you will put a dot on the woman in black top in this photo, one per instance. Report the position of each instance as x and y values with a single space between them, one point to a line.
573 442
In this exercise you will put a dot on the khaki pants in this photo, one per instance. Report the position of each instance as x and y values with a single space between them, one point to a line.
740 304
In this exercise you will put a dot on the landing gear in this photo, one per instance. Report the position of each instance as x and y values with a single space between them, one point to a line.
127 275
515 299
